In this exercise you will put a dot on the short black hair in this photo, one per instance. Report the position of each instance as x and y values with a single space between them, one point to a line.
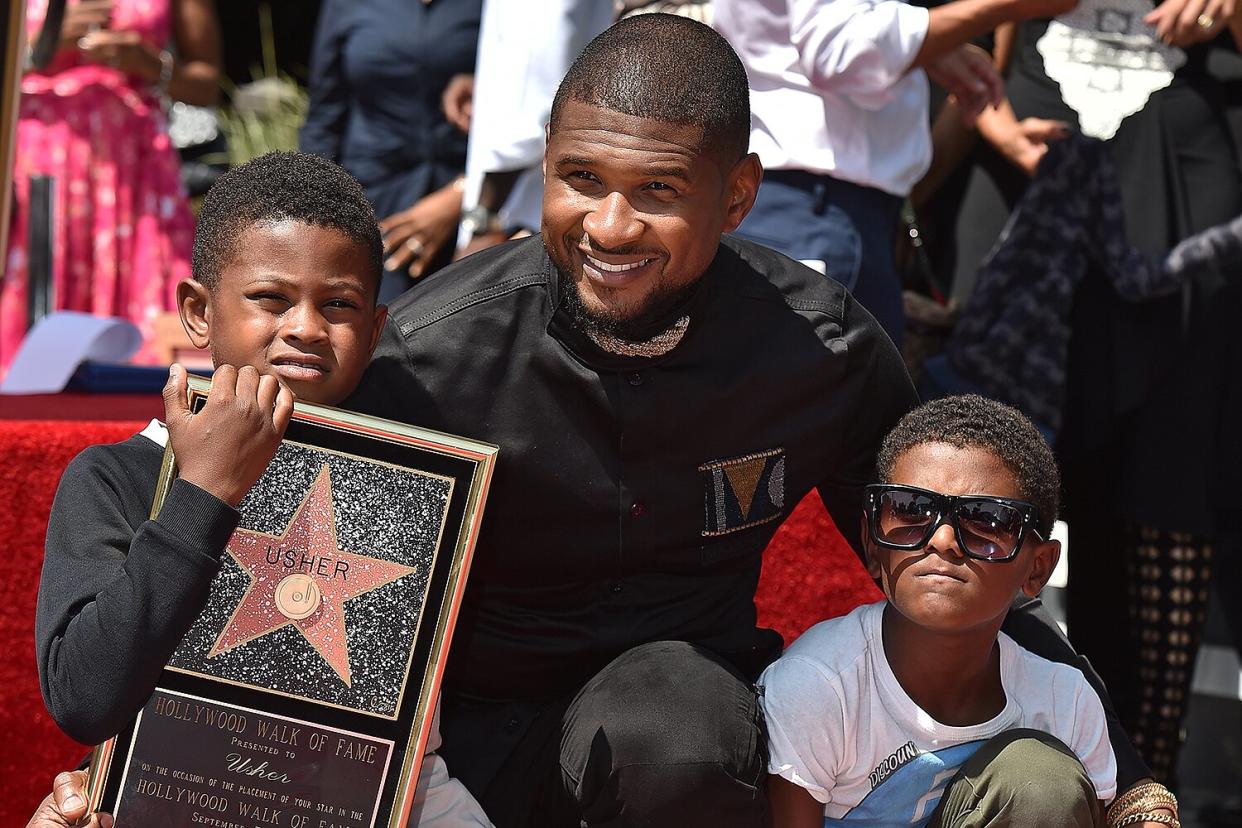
971 421
668 68
280 186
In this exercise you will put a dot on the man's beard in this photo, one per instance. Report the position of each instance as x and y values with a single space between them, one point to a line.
659 313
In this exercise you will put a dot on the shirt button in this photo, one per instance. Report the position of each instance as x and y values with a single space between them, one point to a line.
512 724
616 588
635 378
637 509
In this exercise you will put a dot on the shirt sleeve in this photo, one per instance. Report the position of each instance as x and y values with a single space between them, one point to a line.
858 49
324 129
877 387
806 723
440 801
519 69
1090 740
115 600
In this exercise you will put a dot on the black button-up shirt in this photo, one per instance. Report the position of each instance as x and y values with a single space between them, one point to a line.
633 497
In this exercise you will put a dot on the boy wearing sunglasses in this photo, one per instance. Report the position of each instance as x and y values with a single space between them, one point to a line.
917 710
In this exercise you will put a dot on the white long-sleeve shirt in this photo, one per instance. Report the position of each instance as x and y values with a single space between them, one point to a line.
440 801
830 86
525 48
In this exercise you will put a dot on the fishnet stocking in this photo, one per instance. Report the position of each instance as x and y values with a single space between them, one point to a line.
1168 589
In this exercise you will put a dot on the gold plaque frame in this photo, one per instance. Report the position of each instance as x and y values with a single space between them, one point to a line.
470 465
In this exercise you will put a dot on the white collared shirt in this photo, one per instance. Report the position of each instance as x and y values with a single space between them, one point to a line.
830 90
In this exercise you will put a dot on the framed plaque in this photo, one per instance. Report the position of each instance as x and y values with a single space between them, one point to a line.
303 694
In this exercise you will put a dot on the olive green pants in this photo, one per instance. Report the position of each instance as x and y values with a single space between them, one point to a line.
1020 778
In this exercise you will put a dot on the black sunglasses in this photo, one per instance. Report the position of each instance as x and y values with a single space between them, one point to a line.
987 528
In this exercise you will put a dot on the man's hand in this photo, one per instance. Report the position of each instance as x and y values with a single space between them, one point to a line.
968 74
413 236
226 447
458 101
65 806
1187 22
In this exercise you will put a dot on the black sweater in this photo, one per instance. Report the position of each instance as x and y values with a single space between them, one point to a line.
119 590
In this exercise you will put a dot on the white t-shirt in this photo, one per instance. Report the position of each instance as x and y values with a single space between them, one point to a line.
841 726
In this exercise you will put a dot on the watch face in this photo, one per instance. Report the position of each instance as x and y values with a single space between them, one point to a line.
478 220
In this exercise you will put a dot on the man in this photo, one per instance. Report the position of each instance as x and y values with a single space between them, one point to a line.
663 399
840 97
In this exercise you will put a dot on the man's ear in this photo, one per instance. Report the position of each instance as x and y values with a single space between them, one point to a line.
873 564
193 303
543 160
741 187
1043 562
381 316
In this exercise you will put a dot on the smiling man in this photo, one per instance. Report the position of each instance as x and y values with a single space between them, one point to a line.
663 398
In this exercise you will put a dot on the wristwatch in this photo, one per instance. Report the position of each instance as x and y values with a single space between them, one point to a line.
478 220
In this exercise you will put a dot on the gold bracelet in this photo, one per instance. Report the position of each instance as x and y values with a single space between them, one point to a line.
1164 819
1141 798
1136 793
1145 802
1146 805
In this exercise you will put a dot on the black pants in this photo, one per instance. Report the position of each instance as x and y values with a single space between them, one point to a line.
668 734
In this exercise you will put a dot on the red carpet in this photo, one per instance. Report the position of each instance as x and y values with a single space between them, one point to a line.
32 456
809 573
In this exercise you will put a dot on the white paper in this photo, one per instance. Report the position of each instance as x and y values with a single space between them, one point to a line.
62 341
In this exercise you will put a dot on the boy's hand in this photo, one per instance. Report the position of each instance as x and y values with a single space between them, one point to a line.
226 447
65 806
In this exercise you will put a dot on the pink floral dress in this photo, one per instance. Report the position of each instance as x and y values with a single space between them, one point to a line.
123 230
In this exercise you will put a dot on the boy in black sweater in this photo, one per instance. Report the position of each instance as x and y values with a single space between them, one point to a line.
286 273
287 261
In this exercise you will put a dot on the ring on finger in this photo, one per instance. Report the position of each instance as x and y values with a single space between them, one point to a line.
414 246
1206 21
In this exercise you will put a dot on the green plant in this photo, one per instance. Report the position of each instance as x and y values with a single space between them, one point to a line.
265 114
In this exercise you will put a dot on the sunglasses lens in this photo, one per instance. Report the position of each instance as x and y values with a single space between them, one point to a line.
989 529
902 518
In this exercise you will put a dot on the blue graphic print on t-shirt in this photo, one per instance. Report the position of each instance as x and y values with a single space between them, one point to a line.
908 795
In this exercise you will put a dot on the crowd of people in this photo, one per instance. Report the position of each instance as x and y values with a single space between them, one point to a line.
713 285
